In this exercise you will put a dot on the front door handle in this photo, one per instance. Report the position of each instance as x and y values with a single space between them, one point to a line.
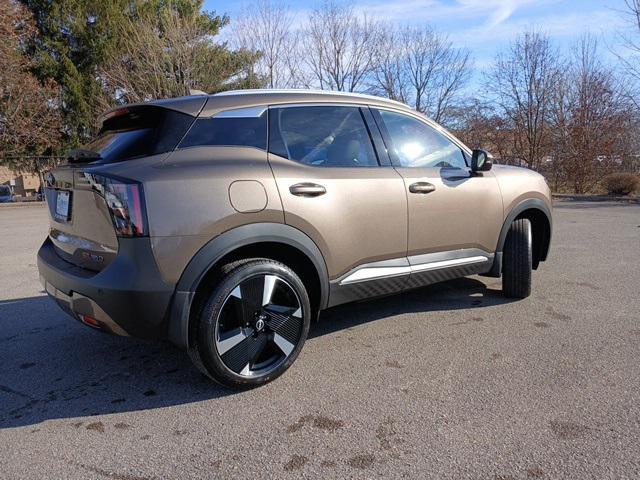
421 187
307 189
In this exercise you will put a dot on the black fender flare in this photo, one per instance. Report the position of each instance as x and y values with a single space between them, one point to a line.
225 243
527 204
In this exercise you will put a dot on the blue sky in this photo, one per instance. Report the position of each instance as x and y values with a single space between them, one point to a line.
483 26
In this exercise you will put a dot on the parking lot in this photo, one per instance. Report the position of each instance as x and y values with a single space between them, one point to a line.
449 381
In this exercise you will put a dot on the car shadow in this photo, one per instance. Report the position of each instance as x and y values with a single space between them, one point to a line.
459 294
52 367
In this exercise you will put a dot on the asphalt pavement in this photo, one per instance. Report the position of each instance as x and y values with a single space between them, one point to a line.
449 381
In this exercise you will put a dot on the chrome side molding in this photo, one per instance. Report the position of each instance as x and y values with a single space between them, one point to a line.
415 264
247 112
448 263
370 273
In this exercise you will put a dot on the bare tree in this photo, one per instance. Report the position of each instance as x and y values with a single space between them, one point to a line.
478 125
556 170
435 69
522 82
417 65
339 47
389 77
266 28
167 54
30 120
148 65
629 57
634 9
590 119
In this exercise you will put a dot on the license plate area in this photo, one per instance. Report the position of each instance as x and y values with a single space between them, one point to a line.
63 205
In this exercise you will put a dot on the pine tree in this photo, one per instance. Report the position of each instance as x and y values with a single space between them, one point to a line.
94 49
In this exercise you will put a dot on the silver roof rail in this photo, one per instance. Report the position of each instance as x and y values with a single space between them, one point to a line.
269 91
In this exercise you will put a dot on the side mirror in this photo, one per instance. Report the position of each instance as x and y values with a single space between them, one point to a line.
480 161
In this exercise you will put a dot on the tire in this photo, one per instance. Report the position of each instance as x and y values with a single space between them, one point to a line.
253 324
517 260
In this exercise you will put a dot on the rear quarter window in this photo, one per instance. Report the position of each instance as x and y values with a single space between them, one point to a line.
228 131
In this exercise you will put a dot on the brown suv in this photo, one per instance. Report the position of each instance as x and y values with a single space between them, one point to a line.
225 223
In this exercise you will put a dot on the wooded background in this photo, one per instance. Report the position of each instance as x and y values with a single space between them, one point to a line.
574 116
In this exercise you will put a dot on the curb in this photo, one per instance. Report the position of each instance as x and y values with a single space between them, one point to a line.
566 197
22 204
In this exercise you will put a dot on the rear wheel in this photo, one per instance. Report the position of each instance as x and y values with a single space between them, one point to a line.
253 325
517 260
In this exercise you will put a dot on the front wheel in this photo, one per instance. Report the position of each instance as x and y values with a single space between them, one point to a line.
517 260
253 325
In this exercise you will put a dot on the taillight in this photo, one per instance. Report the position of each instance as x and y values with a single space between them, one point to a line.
125 200
92 322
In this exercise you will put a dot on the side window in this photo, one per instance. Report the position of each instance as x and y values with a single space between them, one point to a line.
322 136
228 130
416 144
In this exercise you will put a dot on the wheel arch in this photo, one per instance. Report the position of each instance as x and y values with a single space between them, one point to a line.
539 214
276 241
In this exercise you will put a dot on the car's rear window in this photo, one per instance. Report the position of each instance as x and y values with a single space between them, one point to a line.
139 131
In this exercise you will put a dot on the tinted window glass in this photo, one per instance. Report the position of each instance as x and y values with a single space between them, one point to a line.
330 136
139 131
243 132
123 144
4 191
416 144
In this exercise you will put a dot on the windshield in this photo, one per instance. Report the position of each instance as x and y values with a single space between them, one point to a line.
4 191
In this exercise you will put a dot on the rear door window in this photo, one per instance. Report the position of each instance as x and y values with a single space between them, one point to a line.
321 136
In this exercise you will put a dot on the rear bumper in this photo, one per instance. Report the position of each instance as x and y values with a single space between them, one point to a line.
128 297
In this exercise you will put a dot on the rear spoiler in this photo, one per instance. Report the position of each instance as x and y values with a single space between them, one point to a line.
191 105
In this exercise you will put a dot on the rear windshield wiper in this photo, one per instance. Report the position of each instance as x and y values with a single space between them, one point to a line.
81 155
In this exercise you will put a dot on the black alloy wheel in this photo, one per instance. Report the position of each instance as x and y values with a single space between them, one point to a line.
254 324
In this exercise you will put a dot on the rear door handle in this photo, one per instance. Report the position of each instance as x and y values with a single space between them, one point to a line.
421 187
307 189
